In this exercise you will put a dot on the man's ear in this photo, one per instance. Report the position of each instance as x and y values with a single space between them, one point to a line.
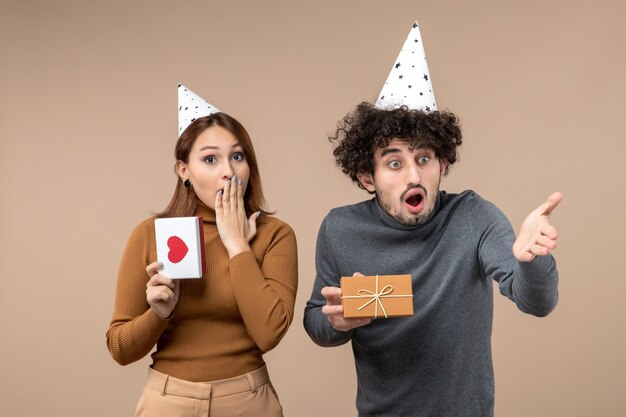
443 168
366 180
181 170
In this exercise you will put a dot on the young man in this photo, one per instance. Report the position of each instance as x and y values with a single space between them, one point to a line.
438 361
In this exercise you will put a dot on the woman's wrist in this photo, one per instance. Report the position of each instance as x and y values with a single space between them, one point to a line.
237 248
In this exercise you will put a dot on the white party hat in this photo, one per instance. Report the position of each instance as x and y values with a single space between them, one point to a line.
409 80
191 107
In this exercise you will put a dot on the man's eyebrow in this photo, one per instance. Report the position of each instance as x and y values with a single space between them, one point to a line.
389 150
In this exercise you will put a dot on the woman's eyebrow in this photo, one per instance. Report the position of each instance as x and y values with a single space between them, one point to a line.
217 147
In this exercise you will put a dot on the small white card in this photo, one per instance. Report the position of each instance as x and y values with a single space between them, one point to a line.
180 246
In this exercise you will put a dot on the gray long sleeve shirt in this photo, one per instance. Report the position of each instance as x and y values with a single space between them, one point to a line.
436 363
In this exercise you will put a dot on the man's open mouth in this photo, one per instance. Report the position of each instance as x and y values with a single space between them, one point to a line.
414 200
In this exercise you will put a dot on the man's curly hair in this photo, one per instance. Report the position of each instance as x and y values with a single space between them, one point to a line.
367 128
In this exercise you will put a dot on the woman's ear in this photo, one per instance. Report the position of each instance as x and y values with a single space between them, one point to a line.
182 170
366 180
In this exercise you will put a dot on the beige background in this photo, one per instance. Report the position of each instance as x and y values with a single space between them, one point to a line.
88 124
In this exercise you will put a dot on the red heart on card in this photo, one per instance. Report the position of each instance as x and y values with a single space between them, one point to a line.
178 249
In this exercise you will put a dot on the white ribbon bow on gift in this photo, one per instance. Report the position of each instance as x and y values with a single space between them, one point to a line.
375 297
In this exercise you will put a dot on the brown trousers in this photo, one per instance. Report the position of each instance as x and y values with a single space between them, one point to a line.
250 394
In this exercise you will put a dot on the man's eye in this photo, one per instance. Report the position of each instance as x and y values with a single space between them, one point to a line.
394 164
209 159
424 160
238 156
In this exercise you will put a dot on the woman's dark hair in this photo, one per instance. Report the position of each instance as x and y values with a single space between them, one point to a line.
184 200
367 128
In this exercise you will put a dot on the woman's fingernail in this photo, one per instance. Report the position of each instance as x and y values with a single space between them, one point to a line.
234 177
239 181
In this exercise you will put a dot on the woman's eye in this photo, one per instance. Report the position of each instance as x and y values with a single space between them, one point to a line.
209 159
238 156
394 164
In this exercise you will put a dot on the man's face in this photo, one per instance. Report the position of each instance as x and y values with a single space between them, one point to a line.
406 181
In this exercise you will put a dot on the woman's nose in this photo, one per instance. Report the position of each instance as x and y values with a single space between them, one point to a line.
227 171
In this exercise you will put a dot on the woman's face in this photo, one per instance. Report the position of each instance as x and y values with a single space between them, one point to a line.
215 157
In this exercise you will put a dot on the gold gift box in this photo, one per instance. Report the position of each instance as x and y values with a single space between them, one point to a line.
377 296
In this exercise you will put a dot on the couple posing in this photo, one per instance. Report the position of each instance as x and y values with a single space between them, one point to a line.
211 333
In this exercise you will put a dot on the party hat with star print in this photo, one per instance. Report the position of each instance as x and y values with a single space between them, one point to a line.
191 107
409 80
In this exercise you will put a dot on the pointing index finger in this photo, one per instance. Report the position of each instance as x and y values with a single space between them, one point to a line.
551 203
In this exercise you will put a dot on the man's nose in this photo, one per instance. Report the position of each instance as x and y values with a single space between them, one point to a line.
413 175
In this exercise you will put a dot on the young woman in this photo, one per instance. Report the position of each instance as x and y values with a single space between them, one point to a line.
210 333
